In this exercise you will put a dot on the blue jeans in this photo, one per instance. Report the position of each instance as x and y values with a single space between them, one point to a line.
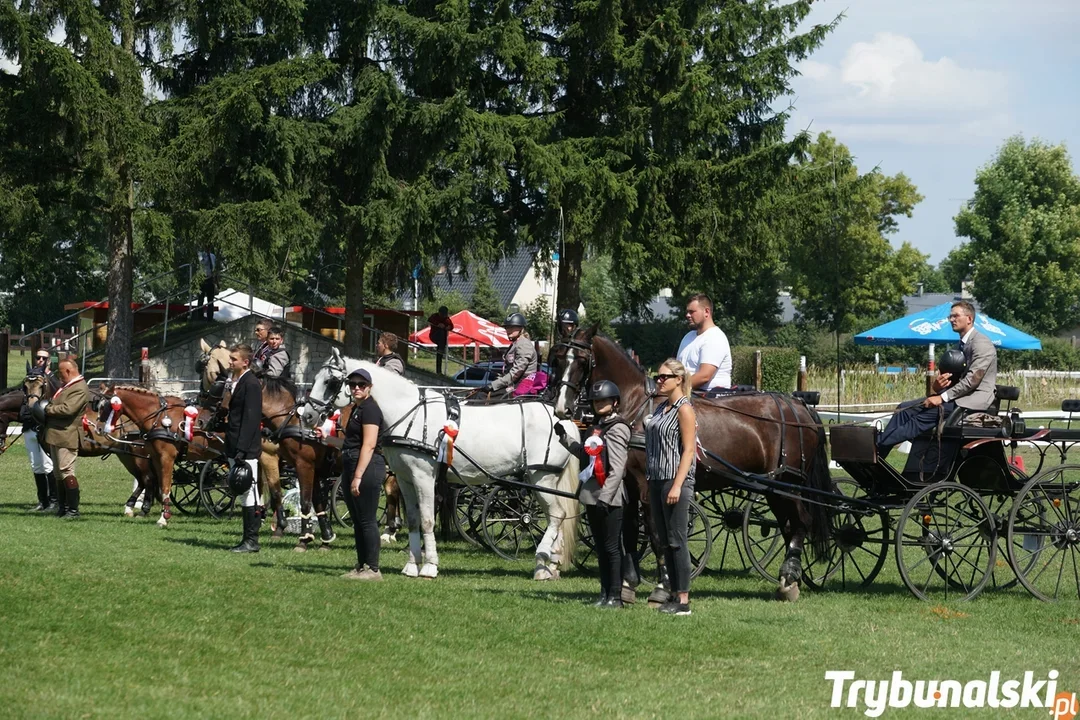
910 421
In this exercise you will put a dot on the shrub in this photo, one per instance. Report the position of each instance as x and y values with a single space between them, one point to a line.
779 367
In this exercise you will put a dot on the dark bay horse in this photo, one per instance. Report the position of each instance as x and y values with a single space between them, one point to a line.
758 433
11 400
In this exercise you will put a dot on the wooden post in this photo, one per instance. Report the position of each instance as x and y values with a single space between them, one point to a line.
803 381
930 372
144 367
757 369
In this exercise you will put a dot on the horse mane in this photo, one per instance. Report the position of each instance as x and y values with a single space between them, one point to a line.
619 354
136 389
274 386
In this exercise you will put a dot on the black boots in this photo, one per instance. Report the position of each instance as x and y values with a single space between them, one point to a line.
61 498
42 483
250 542
71 498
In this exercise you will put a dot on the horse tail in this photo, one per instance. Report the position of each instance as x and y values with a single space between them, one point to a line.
568 482
820 479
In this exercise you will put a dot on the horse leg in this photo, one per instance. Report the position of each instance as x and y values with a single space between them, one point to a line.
326 527
794 523
425 493
631 571
268 470
305 471
393 508
408 494
164 458
548 551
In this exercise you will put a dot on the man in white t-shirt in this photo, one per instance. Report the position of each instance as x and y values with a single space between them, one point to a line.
704 351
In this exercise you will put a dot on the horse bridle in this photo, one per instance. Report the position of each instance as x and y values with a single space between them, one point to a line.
573 344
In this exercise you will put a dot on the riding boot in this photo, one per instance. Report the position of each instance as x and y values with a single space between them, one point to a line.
61 497
250 541
42 492
71 491
50 481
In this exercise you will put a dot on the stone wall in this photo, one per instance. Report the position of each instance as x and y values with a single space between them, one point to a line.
173 370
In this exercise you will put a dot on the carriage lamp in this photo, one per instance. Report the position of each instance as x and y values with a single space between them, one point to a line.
926 519
1057 502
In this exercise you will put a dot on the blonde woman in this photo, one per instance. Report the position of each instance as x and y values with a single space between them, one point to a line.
670 446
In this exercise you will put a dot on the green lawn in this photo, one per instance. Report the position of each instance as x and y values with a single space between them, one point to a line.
114 617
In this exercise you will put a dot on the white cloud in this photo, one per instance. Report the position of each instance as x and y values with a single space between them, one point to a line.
7 65
886 89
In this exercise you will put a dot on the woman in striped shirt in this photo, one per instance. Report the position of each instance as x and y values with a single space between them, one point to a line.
670 445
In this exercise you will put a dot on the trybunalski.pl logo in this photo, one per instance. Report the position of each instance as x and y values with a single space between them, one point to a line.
876 696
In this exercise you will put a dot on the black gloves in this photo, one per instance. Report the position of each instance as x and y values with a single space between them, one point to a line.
560 430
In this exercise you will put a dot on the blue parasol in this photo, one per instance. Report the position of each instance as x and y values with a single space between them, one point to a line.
932 326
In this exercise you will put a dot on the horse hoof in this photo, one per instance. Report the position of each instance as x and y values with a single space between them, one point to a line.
410 570
162 522
628 595
659 596
387 539
429 571
542 573
302 547
786 592
129 511
325 547
278 533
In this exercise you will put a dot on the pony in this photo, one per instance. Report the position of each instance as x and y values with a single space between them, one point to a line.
758 433
513 439
11 401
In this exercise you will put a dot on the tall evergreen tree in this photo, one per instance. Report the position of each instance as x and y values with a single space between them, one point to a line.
485 300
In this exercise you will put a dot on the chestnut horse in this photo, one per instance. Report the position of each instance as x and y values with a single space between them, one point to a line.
161 419
759 433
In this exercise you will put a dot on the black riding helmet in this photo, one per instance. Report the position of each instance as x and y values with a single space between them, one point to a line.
514 320
605 389
568 316
239 478
953 362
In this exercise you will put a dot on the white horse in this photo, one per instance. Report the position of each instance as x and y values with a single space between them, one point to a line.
490 435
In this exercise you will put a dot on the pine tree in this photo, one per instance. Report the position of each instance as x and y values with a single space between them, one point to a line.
485 300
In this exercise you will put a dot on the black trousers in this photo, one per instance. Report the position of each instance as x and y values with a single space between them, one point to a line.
363 509
606 524
672 523
207 292
440 355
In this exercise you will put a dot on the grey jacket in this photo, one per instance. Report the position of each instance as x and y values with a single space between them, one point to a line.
392 362
278 363
521 360
975 391
616 442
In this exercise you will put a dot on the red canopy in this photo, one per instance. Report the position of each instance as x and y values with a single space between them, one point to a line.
469 329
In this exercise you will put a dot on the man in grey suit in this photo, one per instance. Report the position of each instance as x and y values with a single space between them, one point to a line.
972 391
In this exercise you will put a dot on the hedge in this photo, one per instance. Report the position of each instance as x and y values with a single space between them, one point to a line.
779 367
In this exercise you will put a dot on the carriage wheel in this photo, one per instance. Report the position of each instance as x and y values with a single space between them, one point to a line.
339 509
858 543
185 494
699 540
946 543
468 511
585 554
1003 577
513 522
214 489
726 509
1044 534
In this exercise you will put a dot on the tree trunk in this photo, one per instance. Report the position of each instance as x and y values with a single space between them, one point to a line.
122 242
354 301
570 276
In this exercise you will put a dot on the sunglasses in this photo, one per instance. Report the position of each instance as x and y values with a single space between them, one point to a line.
663 377
355 385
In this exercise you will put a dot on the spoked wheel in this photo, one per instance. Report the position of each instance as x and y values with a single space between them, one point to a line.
764 542
468 512
513 522
858 542
726 509
185 487
214 490
1044 534
339 509
946 543
1003 577
699 539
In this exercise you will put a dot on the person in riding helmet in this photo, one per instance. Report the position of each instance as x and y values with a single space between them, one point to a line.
520 362
566 325
603 456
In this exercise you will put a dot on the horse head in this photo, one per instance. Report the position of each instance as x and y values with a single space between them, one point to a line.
329 384
572 367
213 366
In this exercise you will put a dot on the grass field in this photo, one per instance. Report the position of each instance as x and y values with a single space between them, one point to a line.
113 617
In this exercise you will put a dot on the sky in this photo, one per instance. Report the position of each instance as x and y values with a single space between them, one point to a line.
932 88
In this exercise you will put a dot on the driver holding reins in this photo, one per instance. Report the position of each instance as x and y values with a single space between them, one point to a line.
520 361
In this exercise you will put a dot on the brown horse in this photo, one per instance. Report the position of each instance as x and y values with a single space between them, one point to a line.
758 433
160 419
314 461
10 402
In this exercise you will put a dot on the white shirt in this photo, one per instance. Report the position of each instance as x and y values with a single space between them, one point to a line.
709 348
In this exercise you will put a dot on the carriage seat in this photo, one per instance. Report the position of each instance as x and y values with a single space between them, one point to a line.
811 398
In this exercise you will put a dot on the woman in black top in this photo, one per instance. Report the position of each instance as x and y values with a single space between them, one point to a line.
364 469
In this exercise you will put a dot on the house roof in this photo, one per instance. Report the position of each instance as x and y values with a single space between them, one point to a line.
506 276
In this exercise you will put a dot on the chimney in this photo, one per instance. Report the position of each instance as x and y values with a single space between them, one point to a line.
919 292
